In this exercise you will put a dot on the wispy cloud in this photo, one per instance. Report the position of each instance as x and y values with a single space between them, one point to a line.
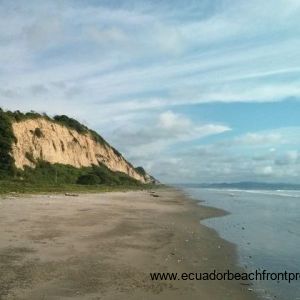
267 156
144 141
128 62
113 53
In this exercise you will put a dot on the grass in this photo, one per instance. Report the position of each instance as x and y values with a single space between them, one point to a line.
58 178
47 173
25 187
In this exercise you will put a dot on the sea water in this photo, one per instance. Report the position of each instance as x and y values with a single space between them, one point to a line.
265 225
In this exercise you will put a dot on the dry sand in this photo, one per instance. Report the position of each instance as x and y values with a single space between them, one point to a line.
103 246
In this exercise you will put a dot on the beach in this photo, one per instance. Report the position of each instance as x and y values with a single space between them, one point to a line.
264 224
104 246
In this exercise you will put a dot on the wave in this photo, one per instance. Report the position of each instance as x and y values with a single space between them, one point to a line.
269 193
280 193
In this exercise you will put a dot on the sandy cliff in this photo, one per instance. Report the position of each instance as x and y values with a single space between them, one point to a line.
49 141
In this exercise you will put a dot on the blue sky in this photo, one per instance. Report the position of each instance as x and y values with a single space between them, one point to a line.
195 91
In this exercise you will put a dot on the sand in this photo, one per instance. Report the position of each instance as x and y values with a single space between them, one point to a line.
103 246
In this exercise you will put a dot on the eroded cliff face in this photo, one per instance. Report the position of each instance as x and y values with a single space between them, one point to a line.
49 141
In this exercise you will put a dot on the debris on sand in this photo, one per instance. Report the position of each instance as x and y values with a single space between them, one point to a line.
154 195
71 195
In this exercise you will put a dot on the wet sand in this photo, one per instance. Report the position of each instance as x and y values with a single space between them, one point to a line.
103 246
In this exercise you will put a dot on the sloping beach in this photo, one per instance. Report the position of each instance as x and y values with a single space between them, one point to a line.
104 246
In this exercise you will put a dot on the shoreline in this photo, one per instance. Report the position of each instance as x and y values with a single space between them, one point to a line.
214 212
104 246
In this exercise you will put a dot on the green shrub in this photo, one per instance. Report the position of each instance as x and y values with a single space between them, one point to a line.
7 138
108 176
88 179
71 123
19 116
141 171
80 128
45 172
97 138
124 179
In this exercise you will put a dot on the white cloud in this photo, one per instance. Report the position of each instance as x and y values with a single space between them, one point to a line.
161 132
266 171
288 158
171 121
233 161
257 139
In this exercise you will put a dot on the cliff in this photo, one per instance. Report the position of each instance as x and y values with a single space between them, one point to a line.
45 139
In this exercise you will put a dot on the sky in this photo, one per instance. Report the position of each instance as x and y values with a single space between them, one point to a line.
194 91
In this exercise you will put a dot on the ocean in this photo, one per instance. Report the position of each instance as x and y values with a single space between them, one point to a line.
265 226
